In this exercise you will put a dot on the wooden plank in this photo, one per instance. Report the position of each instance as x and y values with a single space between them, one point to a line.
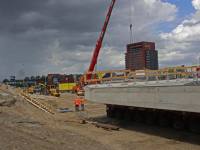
76 120
37 104
111 77
85 76
147 71
108 71
110 127
188 67
125 75
101 78
192 72
146 75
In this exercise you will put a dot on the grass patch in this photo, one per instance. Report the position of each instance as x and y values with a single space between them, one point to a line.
37 147
62 143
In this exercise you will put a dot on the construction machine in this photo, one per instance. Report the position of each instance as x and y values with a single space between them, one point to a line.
97 49
36 89
79 87
30 90
52 91
80 93
49 90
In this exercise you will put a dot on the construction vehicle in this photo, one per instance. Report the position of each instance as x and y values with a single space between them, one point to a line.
30 90
80 93
167 103
52 91
42 89
36 89
49 90
97 49
79 87
171 103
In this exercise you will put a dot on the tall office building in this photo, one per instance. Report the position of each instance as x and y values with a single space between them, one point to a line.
141 55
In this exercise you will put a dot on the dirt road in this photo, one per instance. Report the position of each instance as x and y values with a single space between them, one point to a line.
55 133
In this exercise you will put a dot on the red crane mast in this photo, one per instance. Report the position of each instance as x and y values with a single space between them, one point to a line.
99 42
98 47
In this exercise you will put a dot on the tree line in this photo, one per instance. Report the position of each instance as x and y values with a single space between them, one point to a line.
26 80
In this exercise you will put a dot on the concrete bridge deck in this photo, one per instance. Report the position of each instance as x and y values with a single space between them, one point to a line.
173 95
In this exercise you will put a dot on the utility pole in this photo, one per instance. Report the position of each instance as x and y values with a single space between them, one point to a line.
27 83
23 78
199 59
131 34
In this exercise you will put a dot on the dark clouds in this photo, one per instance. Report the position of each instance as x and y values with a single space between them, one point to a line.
73 16
59 36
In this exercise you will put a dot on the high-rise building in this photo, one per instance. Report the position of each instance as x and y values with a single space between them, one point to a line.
141 55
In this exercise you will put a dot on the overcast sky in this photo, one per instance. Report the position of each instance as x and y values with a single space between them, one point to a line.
39 37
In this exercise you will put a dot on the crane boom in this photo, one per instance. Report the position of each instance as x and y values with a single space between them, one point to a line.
98 46
99 42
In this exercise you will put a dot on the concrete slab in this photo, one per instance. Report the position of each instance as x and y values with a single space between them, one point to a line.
174 95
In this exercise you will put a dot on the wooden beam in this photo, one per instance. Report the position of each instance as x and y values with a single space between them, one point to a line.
125 76
106 126
101 78
181 67
147 71
85 77
76 120
108 71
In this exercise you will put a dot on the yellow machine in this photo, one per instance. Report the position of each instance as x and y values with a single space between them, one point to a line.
80 93
30 90
50 90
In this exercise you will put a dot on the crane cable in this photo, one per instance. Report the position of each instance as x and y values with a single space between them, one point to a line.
131 35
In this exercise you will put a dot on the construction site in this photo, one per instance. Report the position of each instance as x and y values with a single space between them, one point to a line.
127 121
140 107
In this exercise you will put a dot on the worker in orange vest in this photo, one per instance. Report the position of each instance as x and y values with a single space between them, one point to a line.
82 103
77 102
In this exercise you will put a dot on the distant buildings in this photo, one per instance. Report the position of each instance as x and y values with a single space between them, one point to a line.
141 55
59 79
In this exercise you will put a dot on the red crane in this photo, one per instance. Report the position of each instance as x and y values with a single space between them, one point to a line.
99 42
98 46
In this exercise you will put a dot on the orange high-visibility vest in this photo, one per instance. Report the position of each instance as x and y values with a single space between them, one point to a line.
77 101
82 101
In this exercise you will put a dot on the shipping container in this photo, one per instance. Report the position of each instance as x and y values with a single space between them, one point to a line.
66 86
71 85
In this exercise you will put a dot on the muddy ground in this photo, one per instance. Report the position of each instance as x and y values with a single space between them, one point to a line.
53 132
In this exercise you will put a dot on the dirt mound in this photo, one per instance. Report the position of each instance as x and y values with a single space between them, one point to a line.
9 89
7 101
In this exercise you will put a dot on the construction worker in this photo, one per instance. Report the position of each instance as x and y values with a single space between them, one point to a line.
76 102
82 103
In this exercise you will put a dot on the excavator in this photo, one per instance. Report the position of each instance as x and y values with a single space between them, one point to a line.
78 89
50 90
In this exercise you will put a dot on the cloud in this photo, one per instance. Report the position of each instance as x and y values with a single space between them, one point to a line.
181 46
196 4
59 36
